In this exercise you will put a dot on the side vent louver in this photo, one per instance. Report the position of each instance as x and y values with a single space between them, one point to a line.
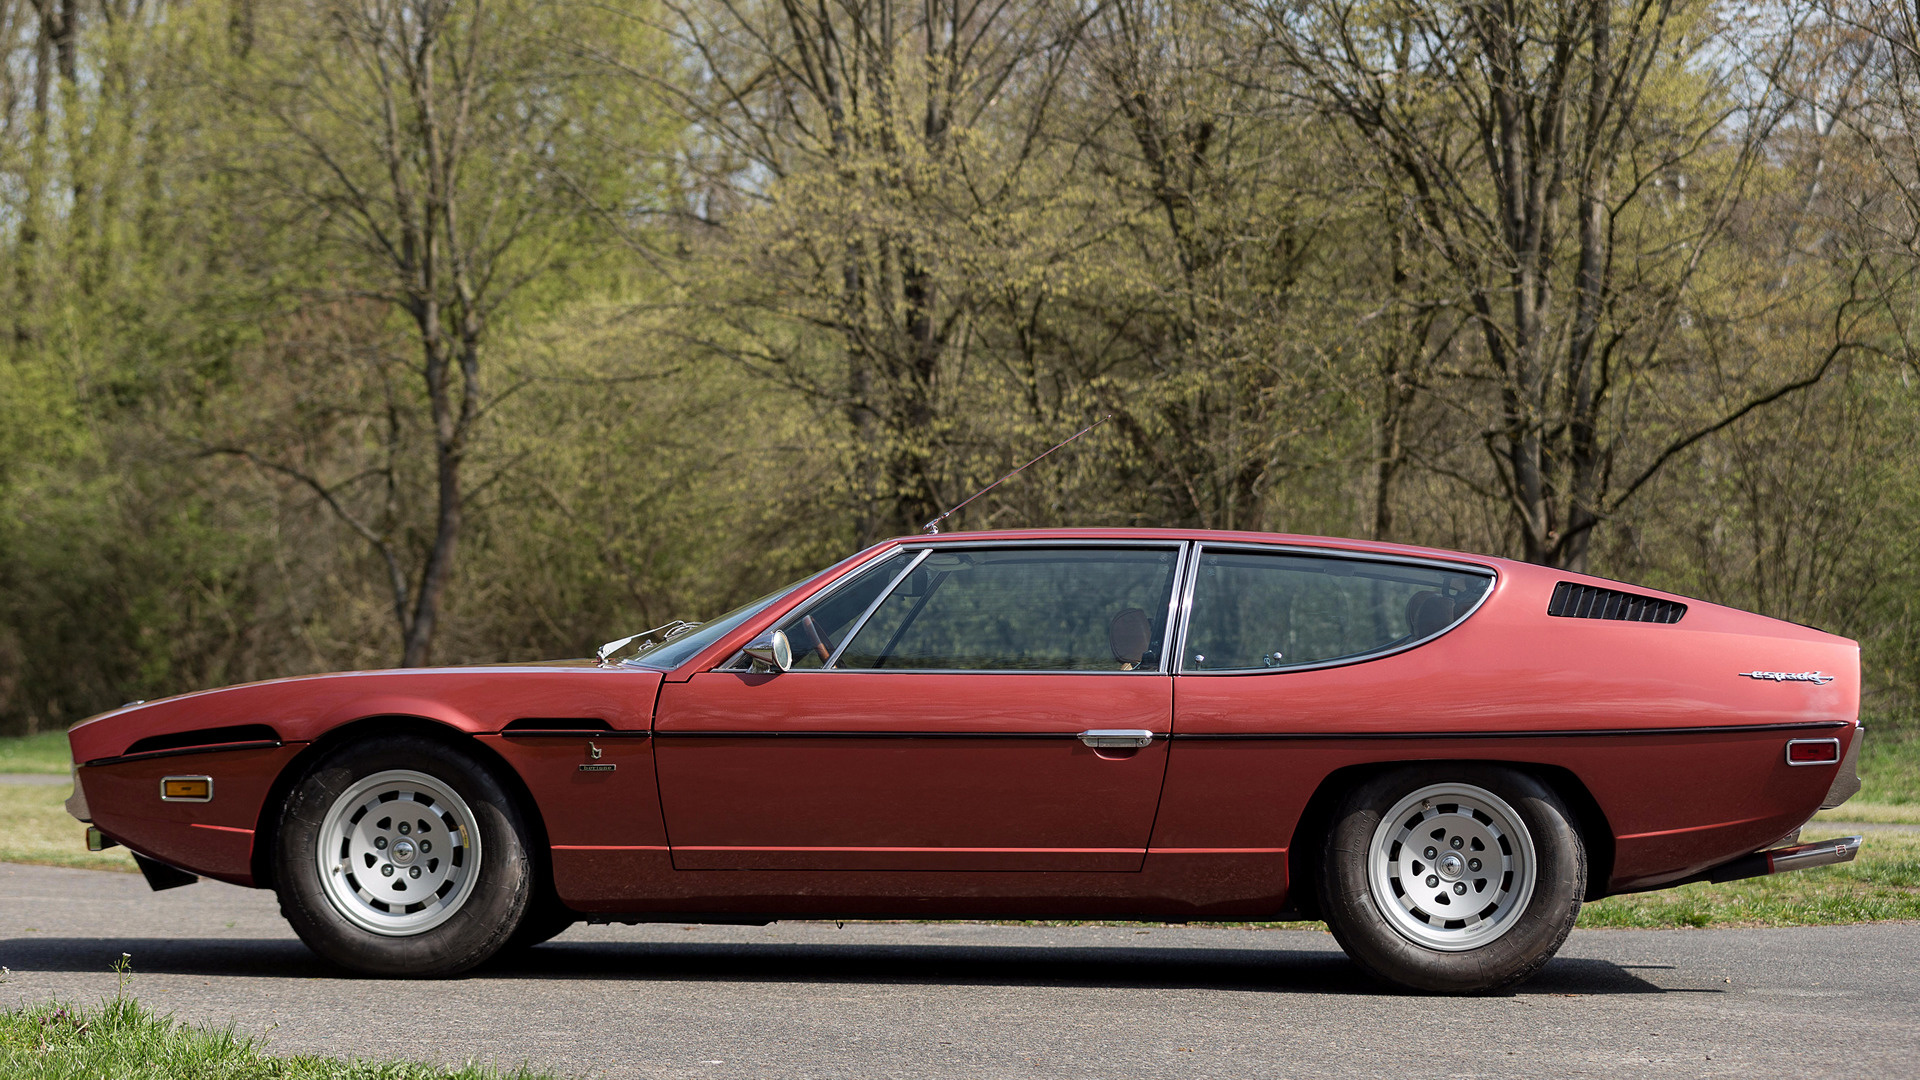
1571 601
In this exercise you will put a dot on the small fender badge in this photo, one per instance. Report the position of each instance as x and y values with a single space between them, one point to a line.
1815 677
598 768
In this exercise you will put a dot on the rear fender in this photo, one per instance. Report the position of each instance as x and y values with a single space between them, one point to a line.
1304 854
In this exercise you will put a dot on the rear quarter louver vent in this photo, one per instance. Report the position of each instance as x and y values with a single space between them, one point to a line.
1571 601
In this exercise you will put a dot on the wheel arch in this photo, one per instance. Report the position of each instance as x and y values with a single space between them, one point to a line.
1303 849
266 829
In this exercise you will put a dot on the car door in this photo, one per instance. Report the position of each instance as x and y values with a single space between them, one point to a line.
1289 660
958 707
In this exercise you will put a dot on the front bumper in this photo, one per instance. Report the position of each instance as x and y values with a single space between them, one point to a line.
77 802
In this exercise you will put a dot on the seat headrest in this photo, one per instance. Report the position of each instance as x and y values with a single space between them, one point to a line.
1428 613
1130 633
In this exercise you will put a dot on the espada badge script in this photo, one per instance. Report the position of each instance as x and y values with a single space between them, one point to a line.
1815 677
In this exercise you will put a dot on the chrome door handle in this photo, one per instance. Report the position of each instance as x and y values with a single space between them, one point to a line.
1111 737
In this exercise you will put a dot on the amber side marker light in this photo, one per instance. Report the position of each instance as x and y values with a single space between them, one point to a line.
186 789
1813 751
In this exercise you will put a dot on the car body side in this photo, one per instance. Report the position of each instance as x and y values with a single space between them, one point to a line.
1673 756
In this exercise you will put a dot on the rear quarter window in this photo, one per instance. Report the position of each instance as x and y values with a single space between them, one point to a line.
1256 611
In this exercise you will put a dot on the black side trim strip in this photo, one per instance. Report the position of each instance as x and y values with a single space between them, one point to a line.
263 744
870 735
1559 733
571 733
1313 736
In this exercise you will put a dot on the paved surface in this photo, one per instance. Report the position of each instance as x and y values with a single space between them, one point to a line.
38 779
973 1000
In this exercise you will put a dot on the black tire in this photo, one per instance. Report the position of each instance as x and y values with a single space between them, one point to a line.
487 887
1390 931
545 920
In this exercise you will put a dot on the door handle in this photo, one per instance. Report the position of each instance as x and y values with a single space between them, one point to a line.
1116 737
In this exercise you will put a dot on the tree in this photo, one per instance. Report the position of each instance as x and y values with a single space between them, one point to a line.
436 154
1574 166
878 176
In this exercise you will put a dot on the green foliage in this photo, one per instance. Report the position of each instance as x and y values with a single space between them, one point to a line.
746 288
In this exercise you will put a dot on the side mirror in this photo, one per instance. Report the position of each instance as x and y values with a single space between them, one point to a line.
771 649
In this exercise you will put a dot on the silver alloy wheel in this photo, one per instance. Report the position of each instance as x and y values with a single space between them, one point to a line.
398 853
1451 867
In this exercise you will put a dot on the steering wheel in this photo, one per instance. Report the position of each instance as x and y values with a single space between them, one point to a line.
821 643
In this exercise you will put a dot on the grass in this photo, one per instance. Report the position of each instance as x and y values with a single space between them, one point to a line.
1871 813
43 753
35 828
1890 767
125 1040
1883 882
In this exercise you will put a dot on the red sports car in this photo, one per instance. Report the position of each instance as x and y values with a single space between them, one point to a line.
1442 755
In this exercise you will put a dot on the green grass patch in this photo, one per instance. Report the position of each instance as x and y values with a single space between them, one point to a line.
36 828
1890 766
43 753
124 1040
1871 813
1883 882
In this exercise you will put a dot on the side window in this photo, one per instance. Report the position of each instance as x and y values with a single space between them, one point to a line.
1023 609
1254 611
819 627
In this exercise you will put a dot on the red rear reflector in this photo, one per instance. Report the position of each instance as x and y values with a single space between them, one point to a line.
1813 751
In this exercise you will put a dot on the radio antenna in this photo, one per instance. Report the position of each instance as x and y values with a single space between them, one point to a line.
932 528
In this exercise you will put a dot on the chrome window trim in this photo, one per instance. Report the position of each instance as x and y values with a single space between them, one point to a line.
1182 550
1492 575
861 623
1057 542
1183 600
732 663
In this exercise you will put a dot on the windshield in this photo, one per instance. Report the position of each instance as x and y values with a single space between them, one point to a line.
683 648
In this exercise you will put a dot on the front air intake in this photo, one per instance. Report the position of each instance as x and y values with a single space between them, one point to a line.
1571 601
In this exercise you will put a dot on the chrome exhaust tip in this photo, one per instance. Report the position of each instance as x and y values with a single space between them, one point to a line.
1779 860
1818 853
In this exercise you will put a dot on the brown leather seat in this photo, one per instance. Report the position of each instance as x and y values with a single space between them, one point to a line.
1129 634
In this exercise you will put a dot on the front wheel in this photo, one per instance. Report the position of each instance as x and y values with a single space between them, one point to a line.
402 856
1453 879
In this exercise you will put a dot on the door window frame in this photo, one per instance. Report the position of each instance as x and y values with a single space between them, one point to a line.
1202 547
1182 550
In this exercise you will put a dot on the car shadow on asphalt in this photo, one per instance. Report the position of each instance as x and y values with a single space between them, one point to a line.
1249 970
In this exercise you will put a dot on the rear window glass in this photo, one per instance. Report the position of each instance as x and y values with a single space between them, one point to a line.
1254 611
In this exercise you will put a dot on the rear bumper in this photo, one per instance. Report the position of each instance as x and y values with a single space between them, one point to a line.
1846 779
1780 860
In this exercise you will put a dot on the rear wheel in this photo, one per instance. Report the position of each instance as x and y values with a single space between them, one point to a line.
1454 879
403 856
545 920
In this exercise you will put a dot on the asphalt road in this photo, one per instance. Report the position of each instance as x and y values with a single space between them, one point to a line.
974 1000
